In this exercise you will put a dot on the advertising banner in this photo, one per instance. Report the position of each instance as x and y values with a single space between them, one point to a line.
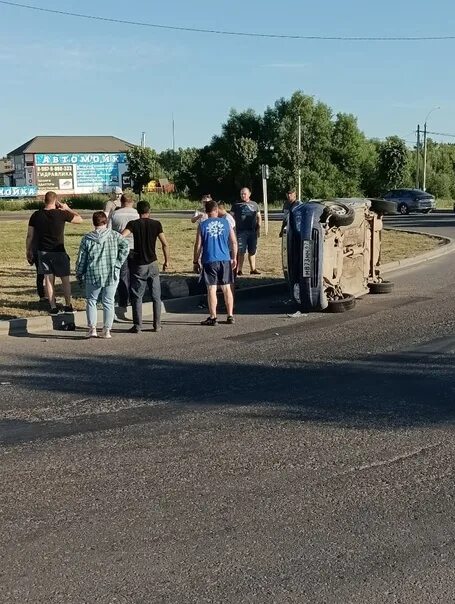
18 191
55 177
91 172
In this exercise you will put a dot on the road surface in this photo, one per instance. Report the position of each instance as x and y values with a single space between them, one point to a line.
306 460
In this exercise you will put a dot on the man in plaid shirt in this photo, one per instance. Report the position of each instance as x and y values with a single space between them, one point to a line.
101 254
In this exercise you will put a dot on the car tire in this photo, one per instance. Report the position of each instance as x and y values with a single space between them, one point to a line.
382 287
382 206
403 208
338 214
337 306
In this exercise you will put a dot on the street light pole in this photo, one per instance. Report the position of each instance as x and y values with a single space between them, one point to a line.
418 158
299 150
424 185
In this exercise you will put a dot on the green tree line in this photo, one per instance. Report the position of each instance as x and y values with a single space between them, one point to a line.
336 158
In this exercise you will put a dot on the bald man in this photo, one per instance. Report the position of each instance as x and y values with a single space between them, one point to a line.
247 227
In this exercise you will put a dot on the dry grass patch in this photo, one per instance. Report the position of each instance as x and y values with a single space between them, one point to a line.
17 278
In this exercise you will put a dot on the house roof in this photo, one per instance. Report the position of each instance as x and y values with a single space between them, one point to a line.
72 144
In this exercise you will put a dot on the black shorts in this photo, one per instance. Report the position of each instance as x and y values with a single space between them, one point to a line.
53 263
218 273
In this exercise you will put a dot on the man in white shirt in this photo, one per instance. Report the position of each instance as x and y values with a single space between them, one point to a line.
200 215
119 219
114 202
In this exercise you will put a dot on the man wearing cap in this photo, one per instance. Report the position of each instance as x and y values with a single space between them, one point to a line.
291 202
114 203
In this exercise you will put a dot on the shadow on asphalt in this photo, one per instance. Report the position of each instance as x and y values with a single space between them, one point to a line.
380 392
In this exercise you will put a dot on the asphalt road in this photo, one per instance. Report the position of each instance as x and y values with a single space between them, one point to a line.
306 460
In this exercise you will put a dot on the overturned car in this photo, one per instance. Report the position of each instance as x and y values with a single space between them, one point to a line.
331 251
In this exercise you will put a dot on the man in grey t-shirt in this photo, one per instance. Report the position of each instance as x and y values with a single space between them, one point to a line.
119 219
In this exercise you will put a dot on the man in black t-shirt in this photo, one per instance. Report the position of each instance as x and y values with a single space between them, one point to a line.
144 269
45 233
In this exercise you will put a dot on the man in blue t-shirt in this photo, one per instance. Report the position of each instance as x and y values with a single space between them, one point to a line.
216 250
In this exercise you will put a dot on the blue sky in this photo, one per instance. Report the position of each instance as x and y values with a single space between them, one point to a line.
62 75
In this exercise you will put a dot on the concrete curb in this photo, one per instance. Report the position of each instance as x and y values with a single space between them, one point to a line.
24 326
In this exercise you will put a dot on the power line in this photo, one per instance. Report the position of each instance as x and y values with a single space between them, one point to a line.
221 32
441 134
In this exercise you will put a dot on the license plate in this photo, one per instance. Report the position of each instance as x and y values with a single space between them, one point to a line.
307 258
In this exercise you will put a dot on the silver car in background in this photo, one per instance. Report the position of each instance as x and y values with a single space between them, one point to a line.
411 200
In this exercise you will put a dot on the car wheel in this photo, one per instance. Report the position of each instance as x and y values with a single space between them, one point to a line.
426 211
403 208
382 206
347 302
338 214
382 287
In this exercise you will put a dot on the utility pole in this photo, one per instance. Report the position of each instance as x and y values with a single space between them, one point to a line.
299 150
143 140
173 133
418 158
265 175
424 185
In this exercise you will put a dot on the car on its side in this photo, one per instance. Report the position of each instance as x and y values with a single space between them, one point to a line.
411 200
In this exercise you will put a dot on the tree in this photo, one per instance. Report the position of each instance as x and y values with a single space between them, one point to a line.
392 163
143 166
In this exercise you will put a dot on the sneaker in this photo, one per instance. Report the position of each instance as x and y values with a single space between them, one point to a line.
92 332
230 320
135 329
157 328
53 311
106 334
211 321
68 308
255 272
239 273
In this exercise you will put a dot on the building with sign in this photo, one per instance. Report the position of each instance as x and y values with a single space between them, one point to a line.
70 164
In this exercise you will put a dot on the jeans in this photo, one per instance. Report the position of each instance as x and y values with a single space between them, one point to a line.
92 293
123 289
143 276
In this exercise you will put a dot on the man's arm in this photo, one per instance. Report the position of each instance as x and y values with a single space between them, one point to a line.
233 247
81 262
125 233
29 252
76 217
197 251
123 250
165 248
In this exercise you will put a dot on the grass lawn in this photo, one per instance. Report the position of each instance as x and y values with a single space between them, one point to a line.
17 278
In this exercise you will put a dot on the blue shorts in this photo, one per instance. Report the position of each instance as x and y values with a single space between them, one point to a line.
247 240
218 273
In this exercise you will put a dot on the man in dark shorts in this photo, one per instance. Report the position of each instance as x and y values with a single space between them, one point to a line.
46 229
216 249
144 269
247 227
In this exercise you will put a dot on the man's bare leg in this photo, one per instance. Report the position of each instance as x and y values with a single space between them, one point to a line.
67 290
252 261
212 300
228 299
49 282
240 263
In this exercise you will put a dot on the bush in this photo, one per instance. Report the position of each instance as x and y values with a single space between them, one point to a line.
91 201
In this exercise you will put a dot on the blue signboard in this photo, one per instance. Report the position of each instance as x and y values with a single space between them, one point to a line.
18 191
42 159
